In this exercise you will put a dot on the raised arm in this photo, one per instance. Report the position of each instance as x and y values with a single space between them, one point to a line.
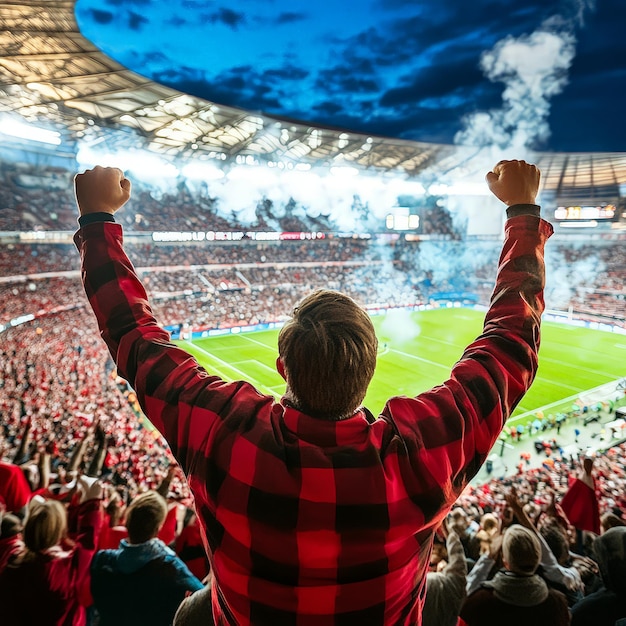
553 570
451 429
169 383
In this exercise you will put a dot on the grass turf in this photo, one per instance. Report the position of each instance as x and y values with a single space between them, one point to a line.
418 349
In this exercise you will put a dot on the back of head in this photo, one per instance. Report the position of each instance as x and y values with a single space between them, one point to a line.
443 600
610 520
557 541
489 523
458 521
46 525
328 349
10 526
145 516
610 552
521 550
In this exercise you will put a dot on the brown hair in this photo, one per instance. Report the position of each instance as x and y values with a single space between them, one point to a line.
45 527
328 349
521 550
145 516
610 520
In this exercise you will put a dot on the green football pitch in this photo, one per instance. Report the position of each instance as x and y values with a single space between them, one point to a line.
418 349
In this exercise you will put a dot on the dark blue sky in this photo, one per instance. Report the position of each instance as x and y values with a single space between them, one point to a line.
551 75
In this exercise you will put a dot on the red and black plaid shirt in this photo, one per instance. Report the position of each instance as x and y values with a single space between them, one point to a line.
315 522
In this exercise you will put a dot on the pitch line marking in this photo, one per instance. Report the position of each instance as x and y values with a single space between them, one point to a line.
267 367
259 343
552 382
272 370
244 376
214 369
443 341
419 358
577 367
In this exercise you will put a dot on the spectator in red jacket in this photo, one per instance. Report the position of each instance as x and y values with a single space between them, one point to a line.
42 585
113 529
15 491
315 511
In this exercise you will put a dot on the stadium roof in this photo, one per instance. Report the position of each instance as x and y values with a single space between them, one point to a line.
52 76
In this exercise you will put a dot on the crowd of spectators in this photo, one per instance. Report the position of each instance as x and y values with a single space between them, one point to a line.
125 524
37 258
589 281
90 495
36 198
56 376
218 298
65 414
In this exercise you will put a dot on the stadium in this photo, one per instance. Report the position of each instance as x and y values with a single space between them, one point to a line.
235 217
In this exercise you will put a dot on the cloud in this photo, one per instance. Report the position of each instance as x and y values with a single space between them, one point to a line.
287 72
228 17
289 17
342 80
119 3
414 73
152 58
434 81
328 108
420 34
240 86
101 17
177 21
580 8
417 124
136 21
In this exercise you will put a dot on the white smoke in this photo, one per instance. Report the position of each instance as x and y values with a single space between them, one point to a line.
534 69
399 327
570 276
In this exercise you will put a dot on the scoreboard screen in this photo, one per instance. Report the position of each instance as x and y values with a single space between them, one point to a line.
605 212
403 219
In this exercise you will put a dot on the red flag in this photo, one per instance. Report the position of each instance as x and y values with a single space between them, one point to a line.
580 504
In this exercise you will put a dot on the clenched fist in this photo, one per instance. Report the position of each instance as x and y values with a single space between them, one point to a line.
514 182
101 190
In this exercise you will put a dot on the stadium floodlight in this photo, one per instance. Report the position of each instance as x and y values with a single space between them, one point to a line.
13 128
22 319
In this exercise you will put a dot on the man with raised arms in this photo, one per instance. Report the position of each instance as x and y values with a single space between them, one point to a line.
315 512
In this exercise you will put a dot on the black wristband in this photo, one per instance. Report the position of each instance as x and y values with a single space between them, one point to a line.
92 218
523 209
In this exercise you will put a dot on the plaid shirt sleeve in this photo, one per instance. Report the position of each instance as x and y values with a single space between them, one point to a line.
169 383
311 521
450 429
